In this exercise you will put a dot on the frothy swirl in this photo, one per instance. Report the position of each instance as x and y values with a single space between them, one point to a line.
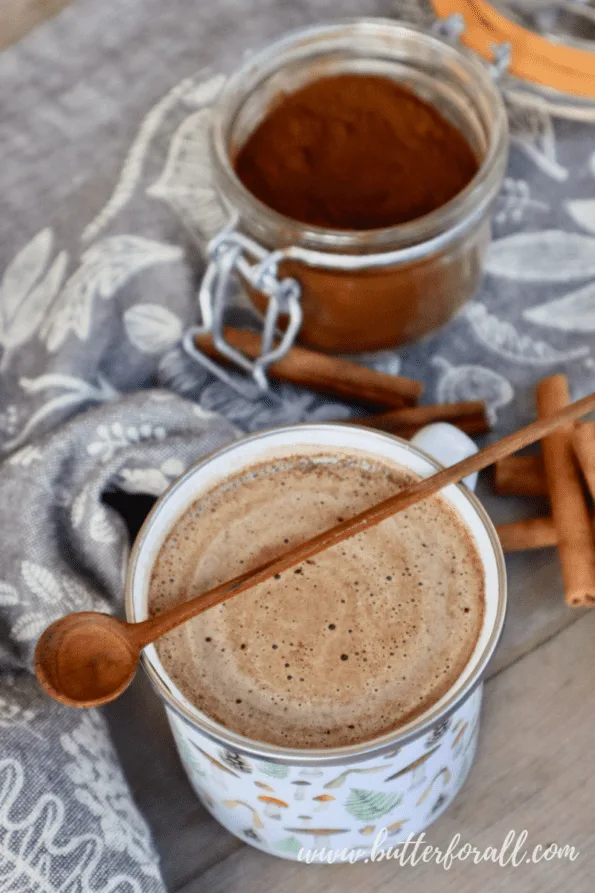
341 649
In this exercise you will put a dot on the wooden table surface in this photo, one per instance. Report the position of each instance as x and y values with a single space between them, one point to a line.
533 770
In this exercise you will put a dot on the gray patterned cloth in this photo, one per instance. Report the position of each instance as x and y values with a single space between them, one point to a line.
107 202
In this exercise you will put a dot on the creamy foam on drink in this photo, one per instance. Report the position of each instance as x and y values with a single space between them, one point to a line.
348 645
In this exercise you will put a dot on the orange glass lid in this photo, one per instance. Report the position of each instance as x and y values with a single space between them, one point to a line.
552 44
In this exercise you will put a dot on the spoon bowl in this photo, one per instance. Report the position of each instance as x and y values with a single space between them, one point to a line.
86 659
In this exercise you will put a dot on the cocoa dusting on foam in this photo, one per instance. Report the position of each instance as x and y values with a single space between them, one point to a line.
348 645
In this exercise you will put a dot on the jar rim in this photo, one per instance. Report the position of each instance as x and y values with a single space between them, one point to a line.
160 518
444 222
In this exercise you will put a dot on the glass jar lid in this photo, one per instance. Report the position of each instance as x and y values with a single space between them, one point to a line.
551 44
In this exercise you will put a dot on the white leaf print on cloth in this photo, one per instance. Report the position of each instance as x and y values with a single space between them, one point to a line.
532 131
503 339
49 590
8 595
79 504
152 481
152 328
77 391
78 597
101 528
186 183
35 848
329 412
115 437
582 212
285 406
173 467
26 294
26 456
133 166
12 709
548 256
176 373
202 413
25 270
100 787
28 627
41 582
9 419
514 202
103 391
575 312
104 269
461 383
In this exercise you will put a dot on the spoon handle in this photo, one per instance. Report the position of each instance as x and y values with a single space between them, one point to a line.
147 631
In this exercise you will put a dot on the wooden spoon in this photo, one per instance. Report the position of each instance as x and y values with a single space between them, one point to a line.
87 658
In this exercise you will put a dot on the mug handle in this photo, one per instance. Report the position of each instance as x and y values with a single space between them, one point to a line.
448 445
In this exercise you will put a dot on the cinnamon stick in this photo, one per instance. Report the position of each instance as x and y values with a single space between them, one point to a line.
584 446
320 372
470 417
532 533
520 476
569 508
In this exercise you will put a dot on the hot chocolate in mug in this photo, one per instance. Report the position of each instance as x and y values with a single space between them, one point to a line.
287 800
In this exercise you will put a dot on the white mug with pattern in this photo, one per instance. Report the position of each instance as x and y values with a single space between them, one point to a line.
286 801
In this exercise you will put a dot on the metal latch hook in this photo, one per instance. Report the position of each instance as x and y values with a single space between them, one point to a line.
231 253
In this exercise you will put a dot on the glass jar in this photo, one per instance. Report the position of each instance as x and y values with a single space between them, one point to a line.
373 289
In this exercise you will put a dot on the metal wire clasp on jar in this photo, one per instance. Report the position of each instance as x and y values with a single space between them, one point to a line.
343 291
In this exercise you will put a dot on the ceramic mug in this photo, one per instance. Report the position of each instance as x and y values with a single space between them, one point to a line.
284 800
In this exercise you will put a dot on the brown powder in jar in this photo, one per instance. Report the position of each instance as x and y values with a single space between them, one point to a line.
355 152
